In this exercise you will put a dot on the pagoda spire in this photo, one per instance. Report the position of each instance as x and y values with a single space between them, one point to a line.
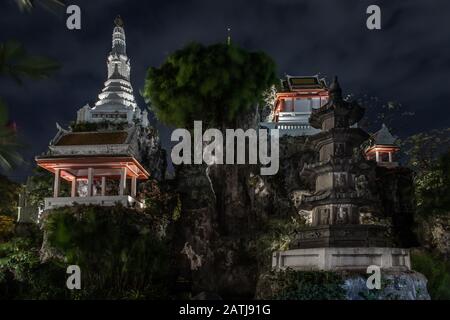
335 90
117 93
118 37
116 101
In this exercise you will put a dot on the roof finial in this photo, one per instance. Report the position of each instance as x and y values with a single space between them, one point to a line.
118 21
335 89
228 36
118 37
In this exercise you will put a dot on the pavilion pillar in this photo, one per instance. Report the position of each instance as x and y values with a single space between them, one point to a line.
390 156
56 184
74 187
123 181
133 186
377 156
90 180
103 186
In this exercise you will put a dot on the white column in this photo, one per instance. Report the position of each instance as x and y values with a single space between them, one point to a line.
56 184
74 187
123 181
377 156
133 186
103 186
90 180
390 156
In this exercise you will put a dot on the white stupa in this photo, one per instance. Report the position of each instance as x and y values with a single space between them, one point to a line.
116 102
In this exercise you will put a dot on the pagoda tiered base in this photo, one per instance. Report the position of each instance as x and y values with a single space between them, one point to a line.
340 236
337 259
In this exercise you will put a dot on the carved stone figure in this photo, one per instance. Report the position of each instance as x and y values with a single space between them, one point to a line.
362 186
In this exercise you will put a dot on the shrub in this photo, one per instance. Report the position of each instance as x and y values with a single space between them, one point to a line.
307 285
22 276
6 227
437 272
117 249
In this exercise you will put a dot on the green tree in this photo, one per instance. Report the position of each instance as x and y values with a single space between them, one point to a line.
214 84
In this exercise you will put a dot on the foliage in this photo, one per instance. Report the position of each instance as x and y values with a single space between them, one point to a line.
9 192
8 142
40 186
22 276
276 234
117 249
307 285
17 64
51 5
160 200
214 84
423 149
428 154
436 270
433 188
6 227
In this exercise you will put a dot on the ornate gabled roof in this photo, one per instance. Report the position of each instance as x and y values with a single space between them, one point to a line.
90 143
383 137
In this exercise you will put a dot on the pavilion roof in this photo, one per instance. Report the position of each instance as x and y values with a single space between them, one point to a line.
383 136
92 138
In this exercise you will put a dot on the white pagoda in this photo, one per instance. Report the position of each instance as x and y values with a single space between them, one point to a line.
116 101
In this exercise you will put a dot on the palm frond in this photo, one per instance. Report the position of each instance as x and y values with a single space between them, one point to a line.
9 156
16 63
50 5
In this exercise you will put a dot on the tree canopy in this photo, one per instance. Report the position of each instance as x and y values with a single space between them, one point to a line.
428 154
213 84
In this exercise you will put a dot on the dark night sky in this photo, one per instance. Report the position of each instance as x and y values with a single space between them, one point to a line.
408 61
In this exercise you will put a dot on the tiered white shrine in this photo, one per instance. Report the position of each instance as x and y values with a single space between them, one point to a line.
102 165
